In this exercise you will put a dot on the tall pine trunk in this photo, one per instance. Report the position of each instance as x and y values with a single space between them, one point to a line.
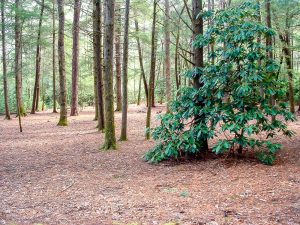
167 55
97 40
96 99
199 63
61 61
152 71
269 43
286 41
118 57
75 59
5 88
53 58
125 74
36 90
18 61
110 136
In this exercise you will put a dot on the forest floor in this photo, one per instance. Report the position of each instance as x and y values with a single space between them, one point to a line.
58 175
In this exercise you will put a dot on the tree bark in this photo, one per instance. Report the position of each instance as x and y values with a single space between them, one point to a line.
96 88
167 55
152 71
5 88
110 136
63 121
53 58
97 41
36 90
141 59
118 57
75 59
18 65
199 63
286 41
125 74
269 42
177 76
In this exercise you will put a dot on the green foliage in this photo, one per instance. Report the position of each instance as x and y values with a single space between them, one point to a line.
234 99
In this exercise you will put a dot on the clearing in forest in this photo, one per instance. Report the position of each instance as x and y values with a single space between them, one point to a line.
58 175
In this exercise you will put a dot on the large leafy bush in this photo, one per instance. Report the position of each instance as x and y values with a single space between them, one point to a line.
238 83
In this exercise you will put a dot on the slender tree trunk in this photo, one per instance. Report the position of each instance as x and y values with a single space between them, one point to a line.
97 40
36 90
269 42
75 59
167 55
53 58
5 88
199 63
18 56
110 136
141 60
176 60
118 57
152 71
125 74
96 100
96 86
259 40
18 66
61 60
286 41
43 84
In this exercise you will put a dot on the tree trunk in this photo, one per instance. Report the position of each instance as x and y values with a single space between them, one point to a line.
110 136
96 87
43 84
152 72
125 75
96 100
97 41
53 59
269 42
5 88
286 41
75 59
167 56
177 76
199 63
118 57
18 65
61 62
36 90
141 60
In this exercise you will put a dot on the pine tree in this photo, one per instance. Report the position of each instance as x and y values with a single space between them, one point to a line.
110 136
97 40
36 90
125 74
18 65
63 121
5 88
118 22
167 54
152 71
53 58
75 59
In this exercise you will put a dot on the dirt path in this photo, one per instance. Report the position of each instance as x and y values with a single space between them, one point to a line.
54 175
